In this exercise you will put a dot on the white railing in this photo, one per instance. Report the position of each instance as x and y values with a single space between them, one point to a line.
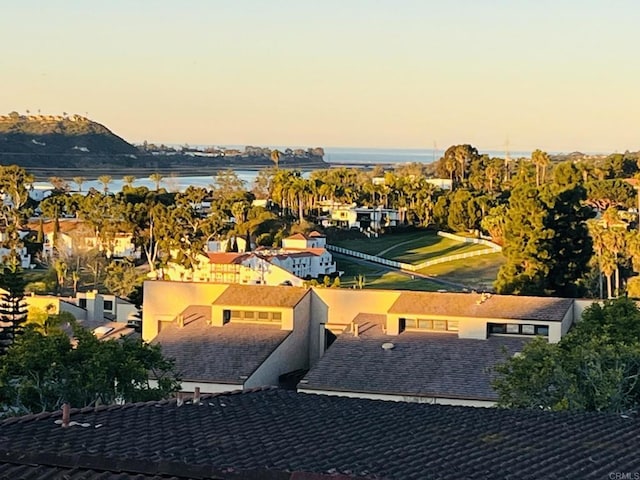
477 241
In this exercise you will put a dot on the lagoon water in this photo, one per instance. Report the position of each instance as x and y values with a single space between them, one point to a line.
333 155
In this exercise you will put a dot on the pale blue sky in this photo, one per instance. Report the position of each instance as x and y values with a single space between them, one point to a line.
559 75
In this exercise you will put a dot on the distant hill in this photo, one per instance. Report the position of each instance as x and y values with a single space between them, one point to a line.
55 135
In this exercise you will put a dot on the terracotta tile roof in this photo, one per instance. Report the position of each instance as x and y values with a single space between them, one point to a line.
425 364
261 296
217 354
316 234
276 435
472 305
296 236
226 257
66 225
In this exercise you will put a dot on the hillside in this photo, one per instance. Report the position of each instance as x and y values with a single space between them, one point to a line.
51 135
64 146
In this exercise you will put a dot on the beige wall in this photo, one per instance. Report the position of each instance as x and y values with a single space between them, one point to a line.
339 306
164 300
291 354
403 398
580 305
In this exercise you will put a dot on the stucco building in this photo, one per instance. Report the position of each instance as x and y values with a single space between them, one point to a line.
392 345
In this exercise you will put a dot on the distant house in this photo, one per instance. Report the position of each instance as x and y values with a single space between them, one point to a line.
24 256
360 218
77 235
301 257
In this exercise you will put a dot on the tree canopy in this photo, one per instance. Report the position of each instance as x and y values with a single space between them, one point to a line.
595 367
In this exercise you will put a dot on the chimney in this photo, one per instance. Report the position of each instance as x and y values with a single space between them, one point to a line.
196 396
355 329
66 415
179 399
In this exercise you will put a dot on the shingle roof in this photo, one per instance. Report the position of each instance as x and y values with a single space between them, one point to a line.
473 305
276 431
261 296
217 354
420 364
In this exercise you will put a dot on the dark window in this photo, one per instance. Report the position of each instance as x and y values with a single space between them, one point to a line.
82 302
108 305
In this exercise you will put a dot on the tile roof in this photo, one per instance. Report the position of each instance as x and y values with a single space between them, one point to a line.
261 296
423 364
226 257
274 432
316 234
217 354
472 305
296 236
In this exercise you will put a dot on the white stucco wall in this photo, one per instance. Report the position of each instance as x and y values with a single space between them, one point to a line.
403 398
204 386
292 354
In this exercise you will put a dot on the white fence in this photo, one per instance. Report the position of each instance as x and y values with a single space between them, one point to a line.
493 248
478 241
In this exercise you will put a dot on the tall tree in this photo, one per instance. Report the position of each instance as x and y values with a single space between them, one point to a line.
546 243
13 308
595 367
105 180
156 178
79 181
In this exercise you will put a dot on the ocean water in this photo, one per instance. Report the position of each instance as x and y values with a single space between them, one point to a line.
333 155
396 155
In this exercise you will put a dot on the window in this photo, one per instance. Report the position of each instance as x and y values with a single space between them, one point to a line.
517 329
439 324
248 315
276 316
108 305
82 303
263 315
427 324
236 314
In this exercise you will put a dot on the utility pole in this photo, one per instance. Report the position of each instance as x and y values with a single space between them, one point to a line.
507 160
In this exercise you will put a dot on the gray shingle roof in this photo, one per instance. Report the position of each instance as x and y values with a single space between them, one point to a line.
473 305
217 354
274 431
261 296
421 363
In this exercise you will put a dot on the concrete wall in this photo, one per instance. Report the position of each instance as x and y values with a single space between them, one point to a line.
341 306
204 387
580 305
291 354
164 300
403 398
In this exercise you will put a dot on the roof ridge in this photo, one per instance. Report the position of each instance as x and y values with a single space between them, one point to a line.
99 408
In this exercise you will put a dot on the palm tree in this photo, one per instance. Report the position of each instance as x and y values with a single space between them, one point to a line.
275 157
105 180
541 160
79 181
157 179
128 180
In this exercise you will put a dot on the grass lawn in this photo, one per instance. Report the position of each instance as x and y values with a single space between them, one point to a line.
476 272
372 246
377 277
413 247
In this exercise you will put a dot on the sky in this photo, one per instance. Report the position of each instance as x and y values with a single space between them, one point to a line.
560 75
